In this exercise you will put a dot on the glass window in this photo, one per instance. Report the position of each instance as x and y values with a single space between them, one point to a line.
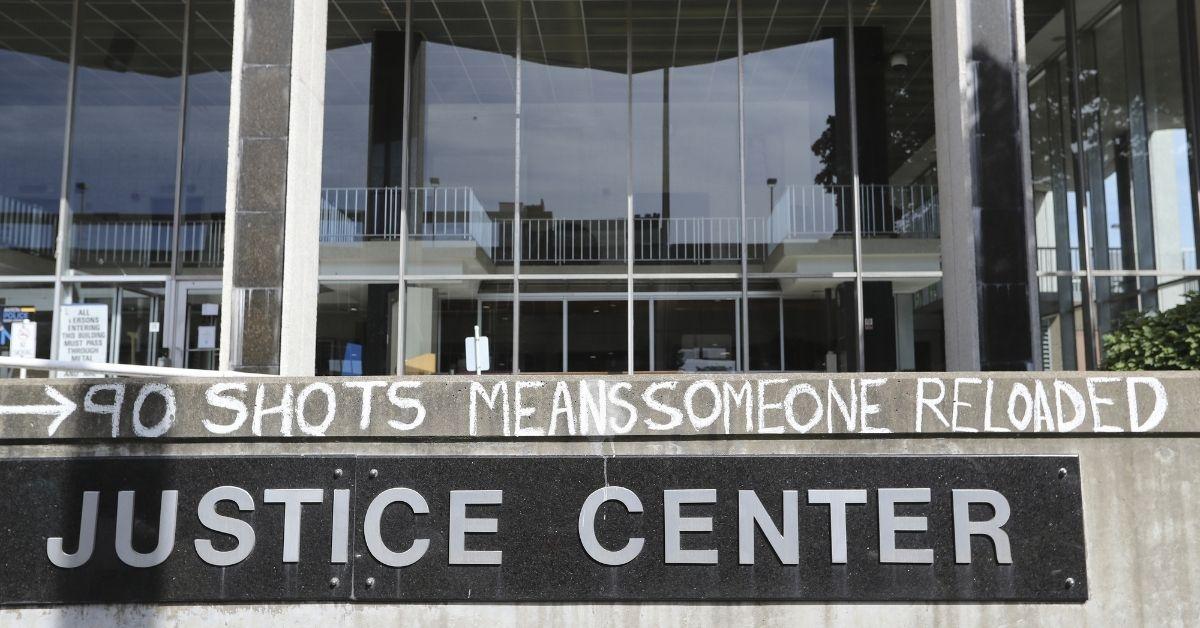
633 107
686 196
543 341
360 214
1107 144
355 326
126 135
206 133
897 152
904 316
799 182
574 135
462 137
766 334
1167 147
442 314
35 44
575 326
692 325
21 302
819 331
135 315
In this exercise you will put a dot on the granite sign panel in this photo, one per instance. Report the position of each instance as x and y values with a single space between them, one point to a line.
542 528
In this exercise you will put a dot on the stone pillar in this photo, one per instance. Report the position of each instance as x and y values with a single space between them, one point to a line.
984 183
272 218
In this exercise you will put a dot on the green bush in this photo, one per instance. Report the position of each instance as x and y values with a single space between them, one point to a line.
1161 341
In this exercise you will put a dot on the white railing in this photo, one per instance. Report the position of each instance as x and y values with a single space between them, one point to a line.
358 214
140 243
27 227
1047 262
111 240
353 215
450 213
818 212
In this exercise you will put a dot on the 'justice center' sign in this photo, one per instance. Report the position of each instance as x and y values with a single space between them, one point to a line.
543 528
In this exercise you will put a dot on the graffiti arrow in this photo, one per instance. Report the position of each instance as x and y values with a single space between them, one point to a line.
61 411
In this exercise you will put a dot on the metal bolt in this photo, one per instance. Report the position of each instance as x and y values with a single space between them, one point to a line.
1069 583
370 582
374 473
334 582
1062 473
337 473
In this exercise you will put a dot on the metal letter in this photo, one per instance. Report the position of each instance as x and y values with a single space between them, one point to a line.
87 536
460 525
374 537
587 525
240 530
964 528
340 541
890 524
751 512
166 530
837 500
292 500
675 524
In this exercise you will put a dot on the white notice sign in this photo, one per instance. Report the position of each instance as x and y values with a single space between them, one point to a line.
24 339
206 337
479 359
84 336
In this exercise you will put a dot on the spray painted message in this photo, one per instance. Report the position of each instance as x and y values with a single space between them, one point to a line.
601 407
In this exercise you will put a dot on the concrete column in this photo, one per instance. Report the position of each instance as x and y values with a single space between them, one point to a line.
984 178
273 192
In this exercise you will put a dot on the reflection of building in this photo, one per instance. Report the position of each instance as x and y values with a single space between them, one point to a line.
617 192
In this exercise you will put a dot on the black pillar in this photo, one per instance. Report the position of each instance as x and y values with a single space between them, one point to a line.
985 186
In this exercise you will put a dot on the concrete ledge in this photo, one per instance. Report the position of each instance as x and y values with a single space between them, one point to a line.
600 407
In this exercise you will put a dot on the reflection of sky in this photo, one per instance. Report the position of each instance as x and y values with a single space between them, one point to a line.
125 142
206 143
33 93
347 93
575 129
469 130
789 98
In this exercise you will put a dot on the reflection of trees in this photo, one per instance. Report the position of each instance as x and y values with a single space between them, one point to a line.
825 148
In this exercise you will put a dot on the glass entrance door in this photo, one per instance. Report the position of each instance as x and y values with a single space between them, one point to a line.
197 326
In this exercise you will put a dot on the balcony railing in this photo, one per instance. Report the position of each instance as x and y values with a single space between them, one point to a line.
27 228
352 215
455 214
1047 260
116 240
809 212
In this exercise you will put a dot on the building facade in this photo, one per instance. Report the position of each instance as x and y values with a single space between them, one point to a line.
351 187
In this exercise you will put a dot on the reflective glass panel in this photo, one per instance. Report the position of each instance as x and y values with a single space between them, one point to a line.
686 197
126 135
574 135
35 44
356 323
360 207
462 136
206 137
442 314
799 202
897 155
